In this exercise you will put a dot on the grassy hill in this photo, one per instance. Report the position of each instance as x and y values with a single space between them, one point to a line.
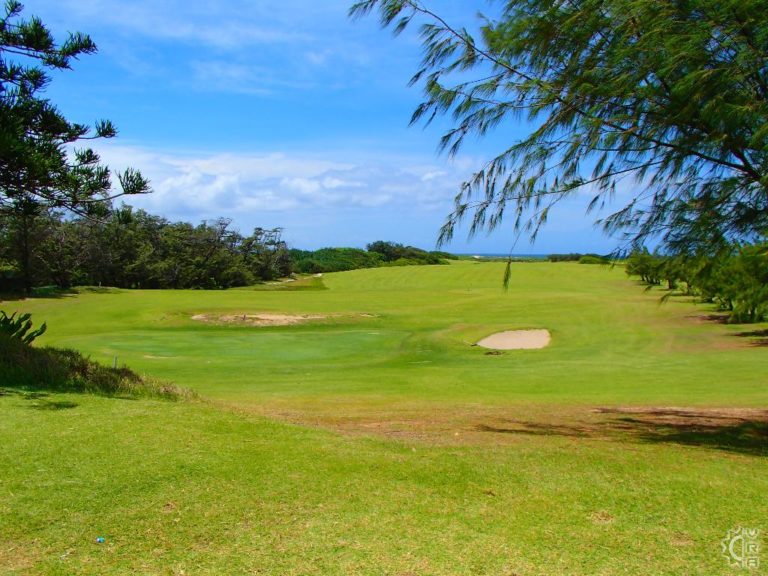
372 437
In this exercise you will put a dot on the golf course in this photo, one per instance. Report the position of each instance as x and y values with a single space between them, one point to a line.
348 423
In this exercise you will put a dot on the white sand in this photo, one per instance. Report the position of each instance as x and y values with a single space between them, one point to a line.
516 340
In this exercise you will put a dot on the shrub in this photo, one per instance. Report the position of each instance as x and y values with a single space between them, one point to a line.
572 257
593 259
19 328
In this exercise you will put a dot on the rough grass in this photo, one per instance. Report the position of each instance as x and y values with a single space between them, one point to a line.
186 488
28 369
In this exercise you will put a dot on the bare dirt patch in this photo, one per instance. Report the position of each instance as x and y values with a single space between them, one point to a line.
260 319
733 430
516 340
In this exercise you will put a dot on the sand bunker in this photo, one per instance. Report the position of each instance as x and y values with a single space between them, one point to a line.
516 340
258 319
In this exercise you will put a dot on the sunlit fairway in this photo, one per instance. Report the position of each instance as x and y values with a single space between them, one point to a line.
380 440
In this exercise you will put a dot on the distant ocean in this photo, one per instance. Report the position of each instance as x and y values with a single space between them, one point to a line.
526 256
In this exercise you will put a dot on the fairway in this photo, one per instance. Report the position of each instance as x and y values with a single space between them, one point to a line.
376 437
406 335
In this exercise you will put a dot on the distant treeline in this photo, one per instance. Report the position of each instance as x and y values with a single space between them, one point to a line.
581 258
735 278
134 249
377 254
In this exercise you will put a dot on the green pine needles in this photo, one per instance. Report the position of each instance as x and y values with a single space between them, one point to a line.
42 166
663 103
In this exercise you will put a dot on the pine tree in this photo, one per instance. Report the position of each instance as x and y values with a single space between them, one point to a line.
667 94
38 166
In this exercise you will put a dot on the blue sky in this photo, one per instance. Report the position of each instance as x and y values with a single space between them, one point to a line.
280 113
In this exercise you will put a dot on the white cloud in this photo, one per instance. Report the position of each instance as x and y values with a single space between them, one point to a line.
338 198
239 46
303 186
330 182
229 77
318 58
432 175
199 186
230 25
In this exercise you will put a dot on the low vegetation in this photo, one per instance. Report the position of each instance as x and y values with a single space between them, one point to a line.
134 249
20 327
377 254
28 369
735 278
333 260
578 257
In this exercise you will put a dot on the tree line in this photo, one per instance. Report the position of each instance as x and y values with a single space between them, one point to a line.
735 277
134 249
131 248
378 253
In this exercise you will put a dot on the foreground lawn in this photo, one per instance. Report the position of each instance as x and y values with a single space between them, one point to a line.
378 440
184 488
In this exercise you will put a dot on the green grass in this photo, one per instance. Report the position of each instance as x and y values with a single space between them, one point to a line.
30 369
380 441
612 342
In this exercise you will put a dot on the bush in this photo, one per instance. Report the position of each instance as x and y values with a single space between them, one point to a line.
572 257
378 254
334 260
403 262
20 328
593 259
11 281
443 255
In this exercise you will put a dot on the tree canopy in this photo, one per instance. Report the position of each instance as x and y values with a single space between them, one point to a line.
40 167
665 99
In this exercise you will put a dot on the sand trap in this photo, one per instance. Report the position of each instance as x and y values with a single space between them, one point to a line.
259 319
516 340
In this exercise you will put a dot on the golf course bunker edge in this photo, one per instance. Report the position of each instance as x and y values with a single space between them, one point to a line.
517 340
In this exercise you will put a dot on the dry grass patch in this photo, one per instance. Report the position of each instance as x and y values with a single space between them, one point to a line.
742 430
260 319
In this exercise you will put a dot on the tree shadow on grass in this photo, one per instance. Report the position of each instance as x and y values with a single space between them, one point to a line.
52 292
55 292
39 400
715 318
731 430
757 338
50 405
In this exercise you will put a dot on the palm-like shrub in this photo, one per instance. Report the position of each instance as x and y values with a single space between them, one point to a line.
20 327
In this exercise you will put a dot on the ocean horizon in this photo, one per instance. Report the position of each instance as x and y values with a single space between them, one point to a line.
499 255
